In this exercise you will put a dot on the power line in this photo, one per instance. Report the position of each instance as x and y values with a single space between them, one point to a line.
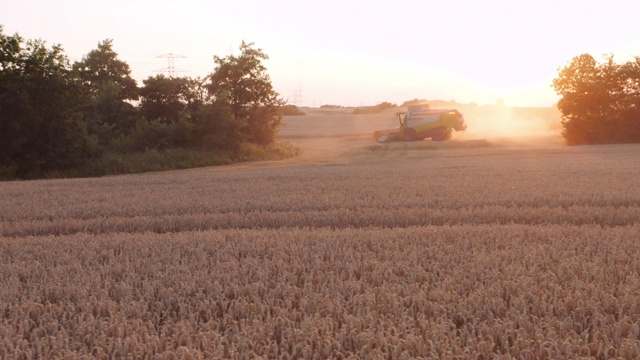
297 95
171 69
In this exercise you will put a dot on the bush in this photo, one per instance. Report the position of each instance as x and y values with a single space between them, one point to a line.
114 163
291 110
374 109
277 151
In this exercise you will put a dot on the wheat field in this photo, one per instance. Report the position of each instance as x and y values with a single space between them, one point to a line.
360 251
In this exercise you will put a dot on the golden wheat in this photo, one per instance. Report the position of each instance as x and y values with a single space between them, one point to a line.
464 253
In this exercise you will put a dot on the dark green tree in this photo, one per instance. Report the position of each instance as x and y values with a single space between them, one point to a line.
108 84
242 83
600 102
215 127
165 98
101 67
41 128
176 112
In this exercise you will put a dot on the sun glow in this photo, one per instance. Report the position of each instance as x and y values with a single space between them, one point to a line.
362 52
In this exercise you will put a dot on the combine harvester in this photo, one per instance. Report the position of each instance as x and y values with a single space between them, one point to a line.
419 122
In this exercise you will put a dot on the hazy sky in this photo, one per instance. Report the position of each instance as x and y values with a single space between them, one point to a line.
350 52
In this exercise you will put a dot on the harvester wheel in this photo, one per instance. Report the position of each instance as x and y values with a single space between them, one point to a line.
409 135
443 135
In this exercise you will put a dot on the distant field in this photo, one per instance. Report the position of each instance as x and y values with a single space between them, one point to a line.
483 121
479 247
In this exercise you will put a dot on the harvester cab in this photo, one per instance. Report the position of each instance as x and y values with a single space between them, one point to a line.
419 122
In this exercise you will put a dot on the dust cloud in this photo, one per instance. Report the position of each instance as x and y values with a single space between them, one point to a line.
517 125
328 134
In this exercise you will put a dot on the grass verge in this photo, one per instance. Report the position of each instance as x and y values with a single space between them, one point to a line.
113 163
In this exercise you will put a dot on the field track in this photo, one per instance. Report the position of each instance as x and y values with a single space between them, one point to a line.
483 246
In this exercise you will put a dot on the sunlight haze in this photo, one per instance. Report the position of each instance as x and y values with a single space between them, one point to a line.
350 53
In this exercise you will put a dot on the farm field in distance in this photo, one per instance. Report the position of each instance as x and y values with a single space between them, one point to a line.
486 245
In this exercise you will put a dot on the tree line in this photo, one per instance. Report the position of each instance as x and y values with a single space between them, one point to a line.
600 102
55 115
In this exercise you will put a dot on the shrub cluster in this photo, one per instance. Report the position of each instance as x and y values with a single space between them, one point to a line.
57 117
